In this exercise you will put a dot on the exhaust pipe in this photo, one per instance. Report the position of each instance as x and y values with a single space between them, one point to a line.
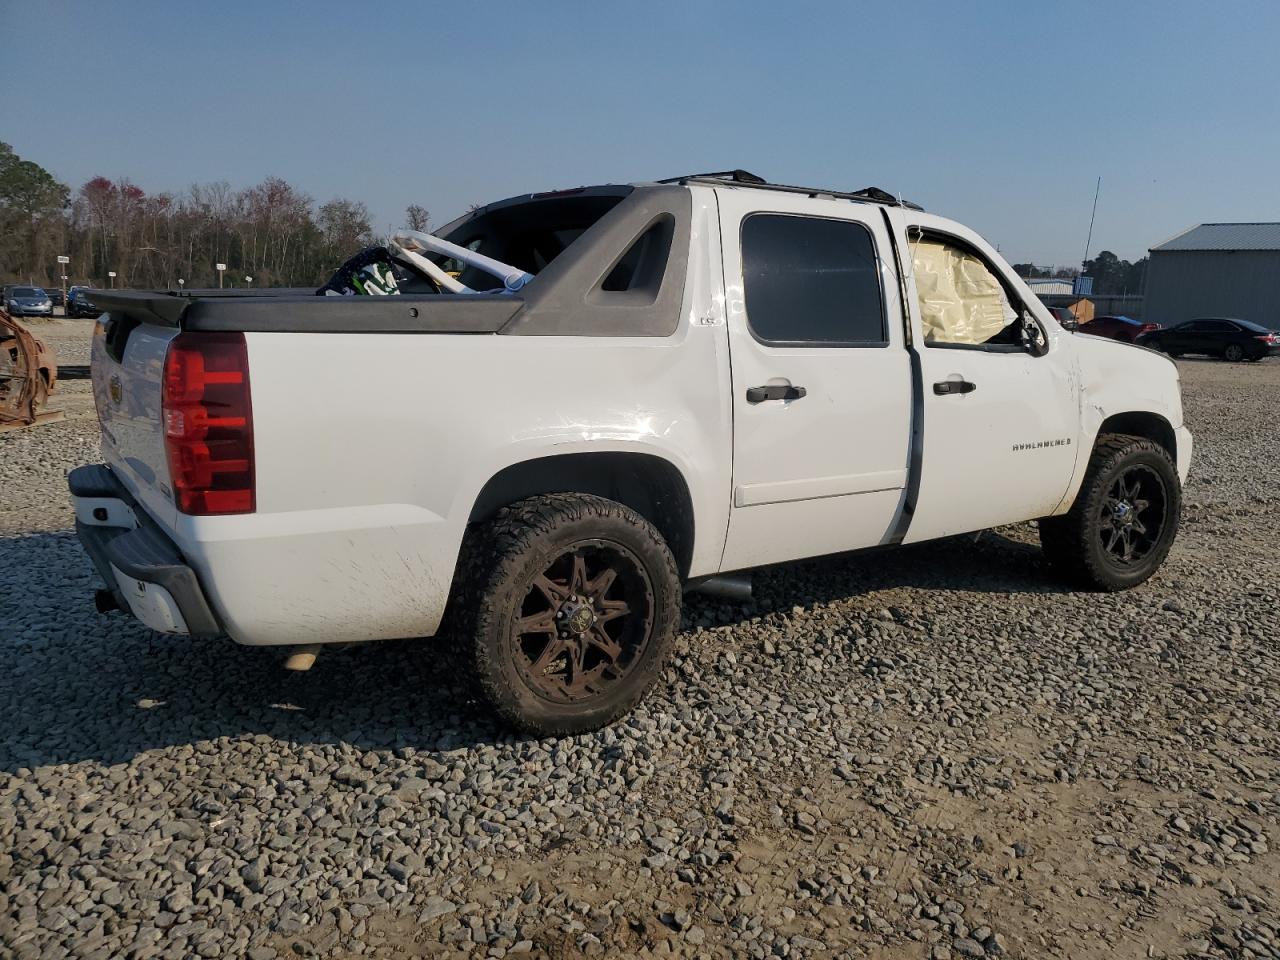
303 658
727 588
105 601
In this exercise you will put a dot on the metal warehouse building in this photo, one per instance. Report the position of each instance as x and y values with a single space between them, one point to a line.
1216 270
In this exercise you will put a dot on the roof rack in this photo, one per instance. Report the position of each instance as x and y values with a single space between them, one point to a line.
865 195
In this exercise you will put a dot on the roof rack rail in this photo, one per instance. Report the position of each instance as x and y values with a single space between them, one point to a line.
737 176
865 195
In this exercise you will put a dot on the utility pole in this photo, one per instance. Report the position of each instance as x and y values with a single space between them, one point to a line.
221 269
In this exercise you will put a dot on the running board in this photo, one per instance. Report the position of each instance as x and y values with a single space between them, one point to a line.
728 588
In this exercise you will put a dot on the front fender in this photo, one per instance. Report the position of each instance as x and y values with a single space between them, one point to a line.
1117 379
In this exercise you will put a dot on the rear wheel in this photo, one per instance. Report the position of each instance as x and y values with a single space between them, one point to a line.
1125 517
570 605
1234 353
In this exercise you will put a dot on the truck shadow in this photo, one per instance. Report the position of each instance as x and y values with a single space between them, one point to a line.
77 687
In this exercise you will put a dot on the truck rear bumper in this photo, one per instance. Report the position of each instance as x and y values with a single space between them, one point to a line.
142 568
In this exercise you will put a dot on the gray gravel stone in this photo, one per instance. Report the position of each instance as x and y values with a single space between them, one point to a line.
883 755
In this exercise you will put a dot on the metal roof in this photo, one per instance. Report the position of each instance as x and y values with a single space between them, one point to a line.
1225 236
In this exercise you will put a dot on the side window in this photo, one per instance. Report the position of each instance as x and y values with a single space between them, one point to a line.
810 280
962 302
645 262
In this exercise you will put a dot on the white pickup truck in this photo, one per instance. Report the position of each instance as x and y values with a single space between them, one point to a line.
703 376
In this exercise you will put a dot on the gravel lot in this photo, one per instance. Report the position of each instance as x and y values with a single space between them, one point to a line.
932 753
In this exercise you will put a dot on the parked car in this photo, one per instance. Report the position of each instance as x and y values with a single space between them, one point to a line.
22 301
1230 339
1121 328
55 295
1065 317
79 304
663 384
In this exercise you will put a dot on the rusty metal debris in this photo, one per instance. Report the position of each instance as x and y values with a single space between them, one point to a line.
28 373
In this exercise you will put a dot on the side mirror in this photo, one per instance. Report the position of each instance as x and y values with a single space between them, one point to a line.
1034 339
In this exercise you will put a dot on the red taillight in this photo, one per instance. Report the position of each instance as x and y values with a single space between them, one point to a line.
1148 327
208 423
1268 338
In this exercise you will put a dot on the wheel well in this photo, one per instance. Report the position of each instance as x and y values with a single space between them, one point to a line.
1152 426
649 485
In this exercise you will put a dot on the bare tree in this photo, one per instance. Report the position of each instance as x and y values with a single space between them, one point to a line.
417 218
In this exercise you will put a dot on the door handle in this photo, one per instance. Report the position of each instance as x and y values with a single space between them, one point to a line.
945 387
779 392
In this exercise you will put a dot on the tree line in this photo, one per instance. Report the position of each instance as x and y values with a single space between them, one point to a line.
272 231
1111 275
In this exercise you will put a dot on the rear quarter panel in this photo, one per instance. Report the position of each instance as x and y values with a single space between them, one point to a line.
371 449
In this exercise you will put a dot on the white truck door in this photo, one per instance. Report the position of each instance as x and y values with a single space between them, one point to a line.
820 377
1001 421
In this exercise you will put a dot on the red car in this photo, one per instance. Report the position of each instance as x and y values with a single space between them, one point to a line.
1065 317
1118 328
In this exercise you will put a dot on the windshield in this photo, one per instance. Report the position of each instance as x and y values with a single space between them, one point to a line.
27 292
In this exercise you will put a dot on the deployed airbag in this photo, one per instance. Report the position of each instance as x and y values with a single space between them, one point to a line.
961 301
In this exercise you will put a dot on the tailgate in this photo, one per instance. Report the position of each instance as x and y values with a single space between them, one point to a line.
127 367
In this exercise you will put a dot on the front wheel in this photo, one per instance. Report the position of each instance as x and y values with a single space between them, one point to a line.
1125 517
570 605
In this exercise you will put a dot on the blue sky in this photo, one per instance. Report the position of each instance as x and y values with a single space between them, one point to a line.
1001 115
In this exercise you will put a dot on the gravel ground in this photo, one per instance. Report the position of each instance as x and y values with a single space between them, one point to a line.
937 752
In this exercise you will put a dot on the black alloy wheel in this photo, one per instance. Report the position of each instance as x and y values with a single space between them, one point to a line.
1132 516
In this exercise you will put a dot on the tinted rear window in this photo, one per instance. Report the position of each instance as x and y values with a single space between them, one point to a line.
1251 326
811 280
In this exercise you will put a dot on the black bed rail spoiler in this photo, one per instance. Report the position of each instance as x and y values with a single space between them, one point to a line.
166 308
142 306
299 310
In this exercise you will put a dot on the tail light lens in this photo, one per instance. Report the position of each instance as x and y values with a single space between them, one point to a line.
1269 339
208 423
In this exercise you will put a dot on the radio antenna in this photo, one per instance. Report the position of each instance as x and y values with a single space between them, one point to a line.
1089 240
